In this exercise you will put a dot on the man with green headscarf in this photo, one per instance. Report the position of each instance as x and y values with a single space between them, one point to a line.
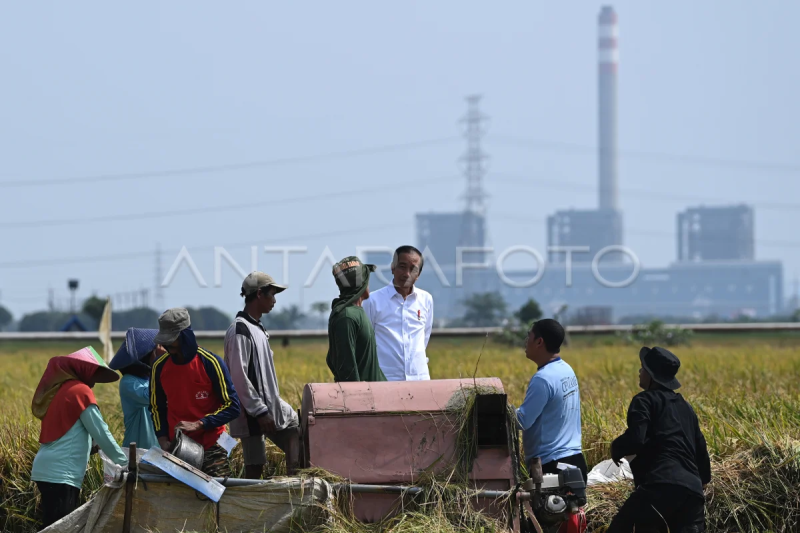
352 353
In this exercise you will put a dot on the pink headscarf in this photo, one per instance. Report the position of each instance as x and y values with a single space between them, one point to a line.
68 378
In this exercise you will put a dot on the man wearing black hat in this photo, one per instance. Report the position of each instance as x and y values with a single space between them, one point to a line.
670 465
352 352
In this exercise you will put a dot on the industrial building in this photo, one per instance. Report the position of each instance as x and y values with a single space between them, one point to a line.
716 234
594 229
715 275
724 289
607 67
442 233
602 227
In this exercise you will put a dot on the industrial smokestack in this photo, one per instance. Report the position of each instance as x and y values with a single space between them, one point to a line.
607 57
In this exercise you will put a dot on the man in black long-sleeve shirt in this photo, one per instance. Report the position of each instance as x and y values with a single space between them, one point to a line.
671 464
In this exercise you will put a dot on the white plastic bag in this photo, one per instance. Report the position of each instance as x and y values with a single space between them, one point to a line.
112 473
227 442
607 472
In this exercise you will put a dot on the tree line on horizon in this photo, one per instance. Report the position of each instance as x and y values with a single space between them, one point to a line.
487 309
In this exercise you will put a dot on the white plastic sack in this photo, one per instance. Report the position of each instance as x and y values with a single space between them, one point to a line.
607 472
112 473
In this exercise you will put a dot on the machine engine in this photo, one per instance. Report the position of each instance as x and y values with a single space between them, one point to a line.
557 504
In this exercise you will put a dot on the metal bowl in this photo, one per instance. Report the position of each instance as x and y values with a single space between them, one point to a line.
188 450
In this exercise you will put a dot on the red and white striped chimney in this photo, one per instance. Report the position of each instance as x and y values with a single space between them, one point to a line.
608 58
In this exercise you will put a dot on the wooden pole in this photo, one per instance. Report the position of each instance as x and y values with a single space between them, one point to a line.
129 486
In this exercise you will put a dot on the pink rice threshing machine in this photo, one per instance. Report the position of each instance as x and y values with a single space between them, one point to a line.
384 436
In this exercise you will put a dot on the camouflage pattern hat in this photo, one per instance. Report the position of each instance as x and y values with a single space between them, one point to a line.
350 273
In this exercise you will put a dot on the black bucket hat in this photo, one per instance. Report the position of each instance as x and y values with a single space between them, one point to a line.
662 365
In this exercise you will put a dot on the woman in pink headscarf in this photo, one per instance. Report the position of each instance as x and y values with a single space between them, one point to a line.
66 405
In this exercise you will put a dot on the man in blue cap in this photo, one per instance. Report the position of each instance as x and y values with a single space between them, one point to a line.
670 462
134 360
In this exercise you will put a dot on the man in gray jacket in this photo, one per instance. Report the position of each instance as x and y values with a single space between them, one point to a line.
250 360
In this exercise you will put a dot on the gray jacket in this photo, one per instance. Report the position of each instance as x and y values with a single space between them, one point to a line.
250 361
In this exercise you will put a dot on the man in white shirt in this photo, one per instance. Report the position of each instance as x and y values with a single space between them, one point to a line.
402 316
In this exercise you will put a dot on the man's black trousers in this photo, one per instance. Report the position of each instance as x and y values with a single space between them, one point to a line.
655 508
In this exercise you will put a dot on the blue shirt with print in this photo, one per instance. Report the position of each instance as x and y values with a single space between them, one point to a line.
550 415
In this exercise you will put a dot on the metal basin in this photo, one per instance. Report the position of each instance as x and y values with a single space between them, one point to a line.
188 450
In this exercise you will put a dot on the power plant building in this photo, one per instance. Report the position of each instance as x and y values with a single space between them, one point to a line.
715 275
716 234
597 229
443 233
681 291
607 66
594 229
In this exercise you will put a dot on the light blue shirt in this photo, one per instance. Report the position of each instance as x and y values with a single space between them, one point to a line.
550 415
134 395
64 460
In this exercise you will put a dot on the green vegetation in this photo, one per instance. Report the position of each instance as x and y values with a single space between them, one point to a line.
94 307
5 317
743 387
515 333
656 333
483 309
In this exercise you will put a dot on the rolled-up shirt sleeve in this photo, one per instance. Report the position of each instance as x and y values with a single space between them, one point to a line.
537 396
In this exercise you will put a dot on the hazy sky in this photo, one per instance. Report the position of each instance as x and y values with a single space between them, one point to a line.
97 88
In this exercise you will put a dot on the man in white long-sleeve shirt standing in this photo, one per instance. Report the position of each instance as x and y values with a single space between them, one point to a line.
250 360
402 316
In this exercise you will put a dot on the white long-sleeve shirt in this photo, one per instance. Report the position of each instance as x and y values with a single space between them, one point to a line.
402 330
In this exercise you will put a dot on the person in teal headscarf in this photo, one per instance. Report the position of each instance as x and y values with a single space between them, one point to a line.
134 360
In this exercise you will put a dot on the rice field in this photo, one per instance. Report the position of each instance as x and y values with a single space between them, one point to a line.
744 389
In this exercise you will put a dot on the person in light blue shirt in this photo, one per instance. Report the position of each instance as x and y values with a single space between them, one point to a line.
66 405
64 461
134 360
550 415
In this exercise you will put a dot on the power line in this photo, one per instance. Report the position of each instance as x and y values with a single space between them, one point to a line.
193 211
539 144
211 169
23 299
649 233
511 179
649 193
510 141
149 253
135 255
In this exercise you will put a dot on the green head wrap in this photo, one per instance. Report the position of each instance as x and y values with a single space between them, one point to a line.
352 278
